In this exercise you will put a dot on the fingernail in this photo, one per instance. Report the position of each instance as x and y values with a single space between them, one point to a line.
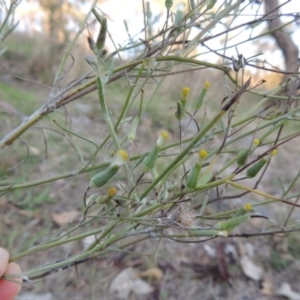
1 253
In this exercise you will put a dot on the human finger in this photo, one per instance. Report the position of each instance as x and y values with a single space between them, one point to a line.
4 256
9 289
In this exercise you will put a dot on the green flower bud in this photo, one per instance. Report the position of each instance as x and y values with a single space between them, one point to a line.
211 4
101 178
102 35
229 224
180 111
151 158
168 3
132 131
242 157
200 99
193 175
253 171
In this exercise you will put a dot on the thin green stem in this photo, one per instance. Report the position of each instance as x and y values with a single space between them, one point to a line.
106 114
50 245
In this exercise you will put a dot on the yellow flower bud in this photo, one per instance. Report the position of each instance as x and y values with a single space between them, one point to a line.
203 154
248 207
163 137
200 99
274 152
256 142
206 85
111 191
121 158
185 92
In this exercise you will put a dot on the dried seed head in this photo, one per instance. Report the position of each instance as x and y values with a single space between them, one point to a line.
186 216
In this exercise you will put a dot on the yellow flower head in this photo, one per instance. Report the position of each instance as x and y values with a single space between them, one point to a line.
111 191
121 158
248 207
163 137
206 85
274 152
185 92
202 154
256 142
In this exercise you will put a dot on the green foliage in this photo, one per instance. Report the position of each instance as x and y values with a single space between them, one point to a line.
294 245
278 262
15 96
31 201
